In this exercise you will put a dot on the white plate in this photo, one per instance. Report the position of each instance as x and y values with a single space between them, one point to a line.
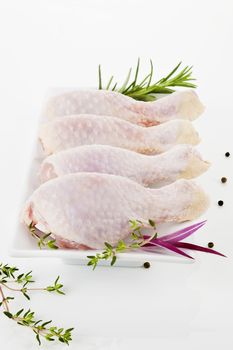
24 245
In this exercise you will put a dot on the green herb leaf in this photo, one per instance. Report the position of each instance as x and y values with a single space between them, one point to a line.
151 222
38 339
113 260
56 287
8 314
108 245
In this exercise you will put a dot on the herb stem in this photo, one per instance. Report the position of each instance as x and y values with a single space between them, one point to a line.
100 77
19 289
4 301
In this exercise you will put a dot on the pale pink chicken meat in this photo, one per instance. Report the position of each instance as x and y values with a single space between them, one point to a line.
73 131
183 161
88 209
178 105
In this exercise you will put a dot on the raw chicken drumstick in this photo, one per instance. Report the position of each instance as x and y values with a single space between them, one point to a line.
183 161
73 131
178 105
89 209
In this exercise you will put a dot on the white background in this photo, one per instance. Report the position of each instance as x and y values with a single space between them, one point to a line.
60 43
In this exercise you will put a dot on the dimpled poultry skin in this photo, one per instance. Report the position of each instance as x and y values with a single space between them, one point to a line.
178 105
88 209
73 131
182 161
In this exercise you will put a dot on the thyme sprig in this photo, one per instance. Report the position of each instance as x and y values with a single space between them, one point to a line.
137 241
145 90
27 318
43 240
52 333
7 275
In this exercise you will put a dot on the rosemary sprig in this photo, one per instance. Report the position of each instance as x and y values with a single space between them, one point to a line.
27 318
146 89
43 240
137 241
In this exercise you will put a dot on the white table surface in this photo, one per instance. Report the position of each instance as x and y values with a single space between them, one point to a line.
60 43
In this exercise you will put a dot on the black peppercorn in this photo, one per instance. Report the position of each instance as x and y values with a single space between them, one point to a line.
223 180
146 265
220 203
227 154
210 244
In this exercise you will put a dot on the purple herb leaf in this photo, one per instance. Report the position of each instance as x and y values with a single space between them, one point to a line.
181 234
167 245
191 246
